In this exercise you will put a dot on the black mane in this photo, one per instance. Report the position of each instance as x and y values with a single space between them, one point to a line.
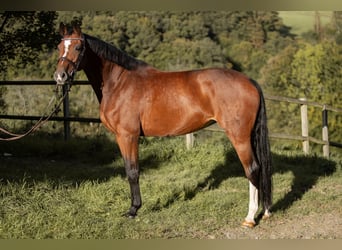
113 54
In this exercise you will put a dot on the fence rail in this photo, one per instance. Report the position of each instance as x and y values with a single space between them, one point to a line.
66 113
305 138
53 118
302 101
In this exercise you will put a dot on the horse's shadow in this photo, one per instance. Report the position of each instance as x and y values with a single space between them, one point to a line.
29 162
305 169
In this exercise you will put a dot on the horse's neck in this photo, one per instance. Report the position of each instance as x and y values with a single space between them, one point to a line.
99 72
94 76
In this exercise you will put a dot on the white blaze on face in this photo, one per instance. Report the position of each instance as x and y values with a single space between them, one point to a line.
66 47
60 77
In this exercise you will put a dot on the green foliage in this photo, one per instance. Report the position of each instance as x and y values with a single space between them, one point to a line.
307 70
276 74
178 40
317 71
2 101
23 36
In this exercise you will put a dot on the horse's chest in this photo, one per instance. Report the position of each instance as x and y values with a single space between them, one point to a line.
119 113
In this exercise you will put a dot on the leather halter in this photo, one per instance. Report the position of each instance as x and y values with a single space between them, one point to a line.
79 59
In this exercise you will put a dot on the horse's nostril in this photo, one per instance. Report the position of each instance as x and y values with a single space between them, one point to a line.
64 76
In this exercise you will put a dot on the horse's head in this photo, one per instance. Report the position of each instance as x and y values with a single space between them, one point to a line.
71 51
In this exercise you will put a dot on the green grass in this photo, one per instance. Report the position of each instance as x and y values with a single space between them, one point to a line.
303 21
78 189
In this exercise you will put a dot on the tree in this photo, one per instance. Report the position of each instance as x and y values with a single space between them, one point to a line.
252 37
334 29
23 35
306 70
276 74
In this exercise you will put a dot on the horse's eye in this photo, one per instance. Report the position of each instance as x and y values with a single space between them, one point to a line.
78 47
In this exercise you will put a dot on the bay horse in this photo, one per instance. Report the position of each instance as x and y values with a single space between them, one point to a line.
137 100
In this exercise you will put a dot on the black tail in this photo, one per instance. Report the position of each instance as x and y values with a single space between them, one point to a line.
262 152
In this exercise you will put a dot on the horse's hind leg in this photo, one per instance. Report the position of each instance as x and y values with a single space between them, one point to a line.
244 150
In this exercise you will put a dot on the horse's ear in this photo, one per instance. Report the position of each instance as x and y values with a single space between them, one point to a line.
76 24
62 29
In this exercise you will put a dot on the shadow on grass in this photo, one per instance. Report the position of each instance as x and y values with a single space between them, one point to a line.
49 158
306 171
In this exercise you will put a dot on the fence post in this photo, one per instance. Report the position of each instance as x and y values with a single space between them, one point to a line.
305 125
66 112
325 133
190 139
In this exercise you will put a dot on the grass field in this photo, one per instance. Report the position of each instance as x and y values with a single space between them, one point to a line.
78 189
303 21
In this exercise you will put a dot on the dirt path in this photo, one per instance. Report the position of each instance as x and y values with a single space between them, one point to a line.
318 226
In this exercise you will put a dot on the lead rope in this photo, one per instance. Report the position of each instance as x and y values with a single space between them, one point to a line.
41 121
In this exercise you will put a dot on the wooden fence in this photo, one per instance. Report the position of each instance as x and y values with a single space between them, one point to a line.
66 118
304 137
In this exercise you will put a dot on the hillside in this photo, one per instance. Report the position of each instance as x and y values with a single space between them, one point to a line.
303 21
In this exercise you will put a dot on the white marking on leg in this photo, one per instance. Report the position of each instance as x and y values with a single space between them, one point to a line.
66 47
253 203
266 215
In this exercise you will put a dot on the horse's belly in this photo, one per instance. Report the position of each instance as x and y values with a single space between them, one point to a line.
174 123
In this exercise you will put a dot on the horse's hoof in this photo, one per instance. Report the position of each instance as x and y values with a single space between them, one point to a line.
248 224
266 216
129 215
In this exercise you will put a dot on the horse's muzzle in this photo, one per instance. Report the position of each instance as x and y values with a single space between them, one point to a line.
61 77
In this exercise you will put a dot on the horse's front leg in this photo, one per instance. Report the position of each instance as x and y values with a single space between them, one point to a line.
129 149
